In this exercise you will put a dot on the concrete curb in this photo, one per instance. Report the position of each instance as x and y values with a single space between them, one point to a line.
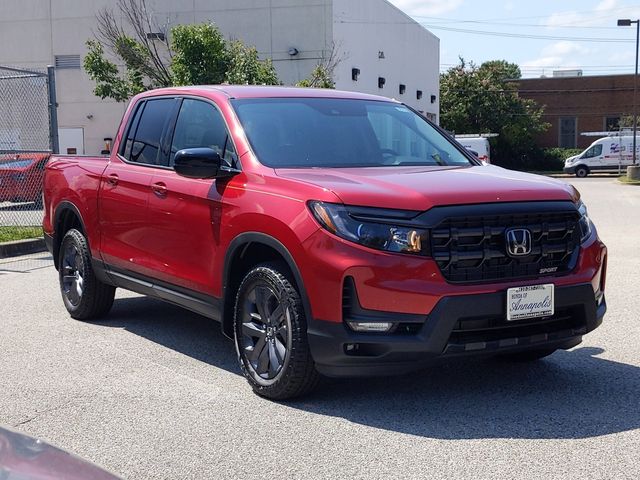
22 247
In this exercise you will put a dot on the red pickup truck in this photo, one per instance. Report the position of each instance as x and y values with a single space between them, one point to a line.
331 233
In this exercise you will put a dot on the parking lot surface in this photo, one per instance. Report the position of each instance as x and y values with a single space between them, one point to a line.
154 392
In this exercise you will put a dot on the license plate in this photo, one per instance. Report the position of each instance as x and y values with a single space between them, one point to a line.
530 302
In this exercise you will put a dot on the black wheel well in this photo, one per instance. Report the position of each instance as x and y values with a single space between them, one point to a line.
67 219
243 259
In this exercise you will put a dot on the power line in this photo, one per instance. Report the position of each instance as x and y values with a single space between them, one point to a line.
530 36
554 90
573 67
497 34
529 17
518 25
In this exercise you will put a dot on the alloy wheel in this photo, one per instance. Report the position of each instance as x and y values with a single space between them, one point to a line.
72 274
265 330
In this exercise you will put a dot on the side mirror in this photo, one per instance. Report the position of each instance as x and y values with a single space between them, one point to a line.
200 162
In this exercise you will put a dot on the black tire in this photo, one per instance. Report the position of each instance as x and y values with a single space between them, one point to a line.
84 296
274 353
582 171
527 355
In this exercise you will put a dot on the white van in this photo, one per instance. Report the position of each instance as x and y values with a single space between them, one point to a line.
477 144
609 154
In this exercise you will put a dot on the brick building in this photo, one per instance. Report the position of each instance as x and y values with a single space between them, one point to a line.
579 104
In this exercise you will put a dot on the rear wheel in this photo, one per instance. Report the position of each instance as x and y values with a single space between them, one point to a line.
84 296
271 334
528 355
582 171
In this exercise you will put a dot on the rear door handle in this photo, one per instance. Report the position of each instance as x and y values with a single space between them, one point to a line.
112 179
160 189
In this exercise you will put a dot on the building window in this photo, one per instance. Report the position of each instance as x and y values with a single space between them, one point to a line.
568 132
611 124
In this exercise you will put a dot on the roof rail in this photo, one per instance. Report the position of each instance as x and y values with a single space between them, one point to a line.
621 133
476 135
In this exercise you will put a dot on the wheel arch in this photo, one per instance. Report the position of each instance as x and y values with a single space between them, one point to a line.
245 251
66 217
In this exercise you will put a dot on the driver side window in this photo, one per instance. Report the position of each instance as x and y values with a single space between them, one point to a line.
594 151
200 124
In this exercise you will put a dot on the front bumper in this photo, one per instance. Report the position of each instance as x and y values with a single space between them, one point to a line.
569 170
457 326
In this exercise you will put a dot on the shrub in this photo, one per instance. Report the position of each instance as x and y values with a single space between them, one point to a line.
553 158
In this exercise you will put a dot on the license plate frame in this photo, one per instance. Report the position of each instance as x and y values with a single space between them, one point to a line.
530 301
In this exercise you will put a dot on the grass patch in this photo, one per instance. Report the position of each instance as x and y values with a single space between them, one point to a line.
10 234
624 179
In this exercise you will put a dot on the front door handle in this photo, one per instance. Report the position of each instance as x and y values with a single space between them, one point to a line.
112 179
160 189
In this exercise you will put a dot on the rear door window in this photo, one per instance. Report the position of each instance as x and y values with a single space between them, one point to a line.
146 131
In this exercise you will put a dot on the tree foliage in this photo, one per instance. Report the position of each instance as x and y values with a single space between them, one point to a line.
109 82
200 55
322 75
244 66
125 60
485 99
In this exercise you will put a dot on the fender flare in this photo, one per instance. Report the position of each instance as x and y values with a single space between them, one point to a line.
62 207
242 242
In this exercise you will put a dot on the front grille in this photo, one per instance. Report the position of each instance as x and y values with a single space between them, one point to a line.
493 333
483 329
473 248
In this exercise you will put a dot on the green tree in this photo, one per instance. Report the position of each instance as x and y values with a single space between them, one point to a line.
244 67
320 78
200 54
485 99
185 55
109 82
322 75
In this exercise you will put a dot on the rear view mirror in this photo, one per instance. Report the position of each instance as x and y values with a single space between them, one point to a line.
200 162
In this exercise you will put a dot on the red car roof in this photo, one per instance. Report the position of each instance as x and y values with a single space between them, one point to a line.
259 91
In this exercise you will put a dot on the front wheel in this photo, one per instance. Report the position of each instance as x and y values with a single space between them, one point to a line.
271 334
582 172
83 294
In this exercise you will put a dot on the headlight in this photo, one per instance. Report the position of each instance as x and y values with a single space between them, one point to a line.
586 226
381 236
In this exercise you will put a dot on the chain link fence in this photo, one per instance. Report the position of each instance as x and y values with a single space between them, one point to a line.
28 135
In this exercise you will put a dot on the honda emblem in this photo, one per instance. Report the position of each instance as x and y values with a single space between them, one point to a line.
518 242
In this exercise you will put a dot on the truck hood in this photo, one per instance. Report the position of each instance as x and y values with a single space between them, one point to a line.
421 188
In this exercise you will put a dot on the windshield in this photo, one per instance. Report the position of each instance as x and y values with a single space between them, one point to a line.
10 164
327 132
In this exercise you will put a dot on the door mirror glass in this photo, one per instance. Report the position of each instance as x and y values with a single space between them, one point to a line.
202 162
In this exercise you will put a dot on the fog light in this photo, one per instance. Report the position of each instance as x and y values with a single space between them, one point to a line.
378 327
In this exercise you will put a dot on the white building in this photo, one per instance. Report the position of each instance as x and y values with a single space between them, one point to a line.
383 50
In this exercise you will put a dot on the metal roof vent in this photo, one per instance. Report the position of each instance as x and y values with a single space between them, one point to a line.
67 61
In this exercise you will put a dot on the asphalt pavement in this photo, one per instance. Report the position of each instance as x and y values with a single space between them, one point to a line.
154 392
